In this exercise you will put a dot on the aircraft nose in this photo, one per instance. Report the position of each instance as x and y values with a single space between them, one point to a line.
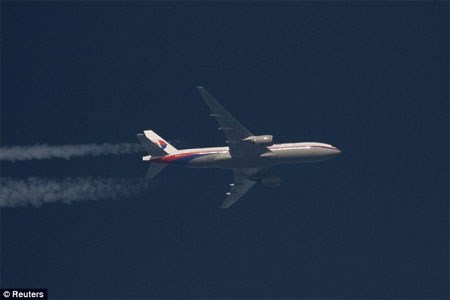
334 151
329 152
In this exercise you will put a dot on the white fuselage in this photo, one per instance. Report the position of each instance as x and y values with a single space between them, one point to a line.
219 157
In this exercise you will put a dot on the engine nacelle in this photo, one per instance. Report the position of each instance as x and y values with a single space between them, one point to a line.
271 181
263 140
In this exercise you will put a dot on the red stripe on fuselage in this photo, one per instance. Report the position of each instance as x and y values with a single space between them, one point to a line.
172 158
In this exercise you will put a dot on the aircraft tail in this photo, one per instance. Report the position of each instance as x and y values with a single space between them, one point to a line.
155 145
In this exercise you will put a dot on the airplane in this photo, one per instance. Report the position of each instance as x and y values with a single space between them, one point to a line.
249 156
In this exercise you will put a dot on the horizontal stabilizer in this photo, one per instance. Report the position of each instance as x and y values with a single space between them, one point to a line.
154 169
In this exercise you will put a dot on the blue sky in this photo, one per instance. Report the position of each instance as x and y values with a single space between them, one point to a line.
370 78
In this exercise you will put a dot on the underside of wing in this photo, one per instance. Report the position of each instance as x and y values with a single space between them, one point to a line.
238 189
238 137
234 130
244 180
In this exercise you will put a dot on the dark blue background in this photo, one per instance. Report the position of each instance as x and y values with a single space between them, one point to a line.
370 78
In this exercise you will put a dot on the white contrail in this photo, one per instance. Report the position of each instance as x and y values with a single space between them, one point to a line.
44 151
37 191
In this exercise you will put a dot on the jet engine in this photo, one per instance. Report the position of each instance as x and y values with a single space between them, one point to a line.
263 140
271 181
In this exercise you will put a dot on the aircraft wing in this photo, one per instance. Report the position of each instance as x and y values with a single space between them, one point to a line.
233 129
239 188
242 183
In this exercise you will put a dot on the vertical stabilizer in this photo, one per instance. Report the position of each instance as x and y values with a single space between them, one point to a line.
160 142
155 145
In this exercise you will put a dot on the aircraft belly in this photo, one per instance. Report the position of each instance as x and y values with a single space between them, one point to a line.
300 155
225 161
210 160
